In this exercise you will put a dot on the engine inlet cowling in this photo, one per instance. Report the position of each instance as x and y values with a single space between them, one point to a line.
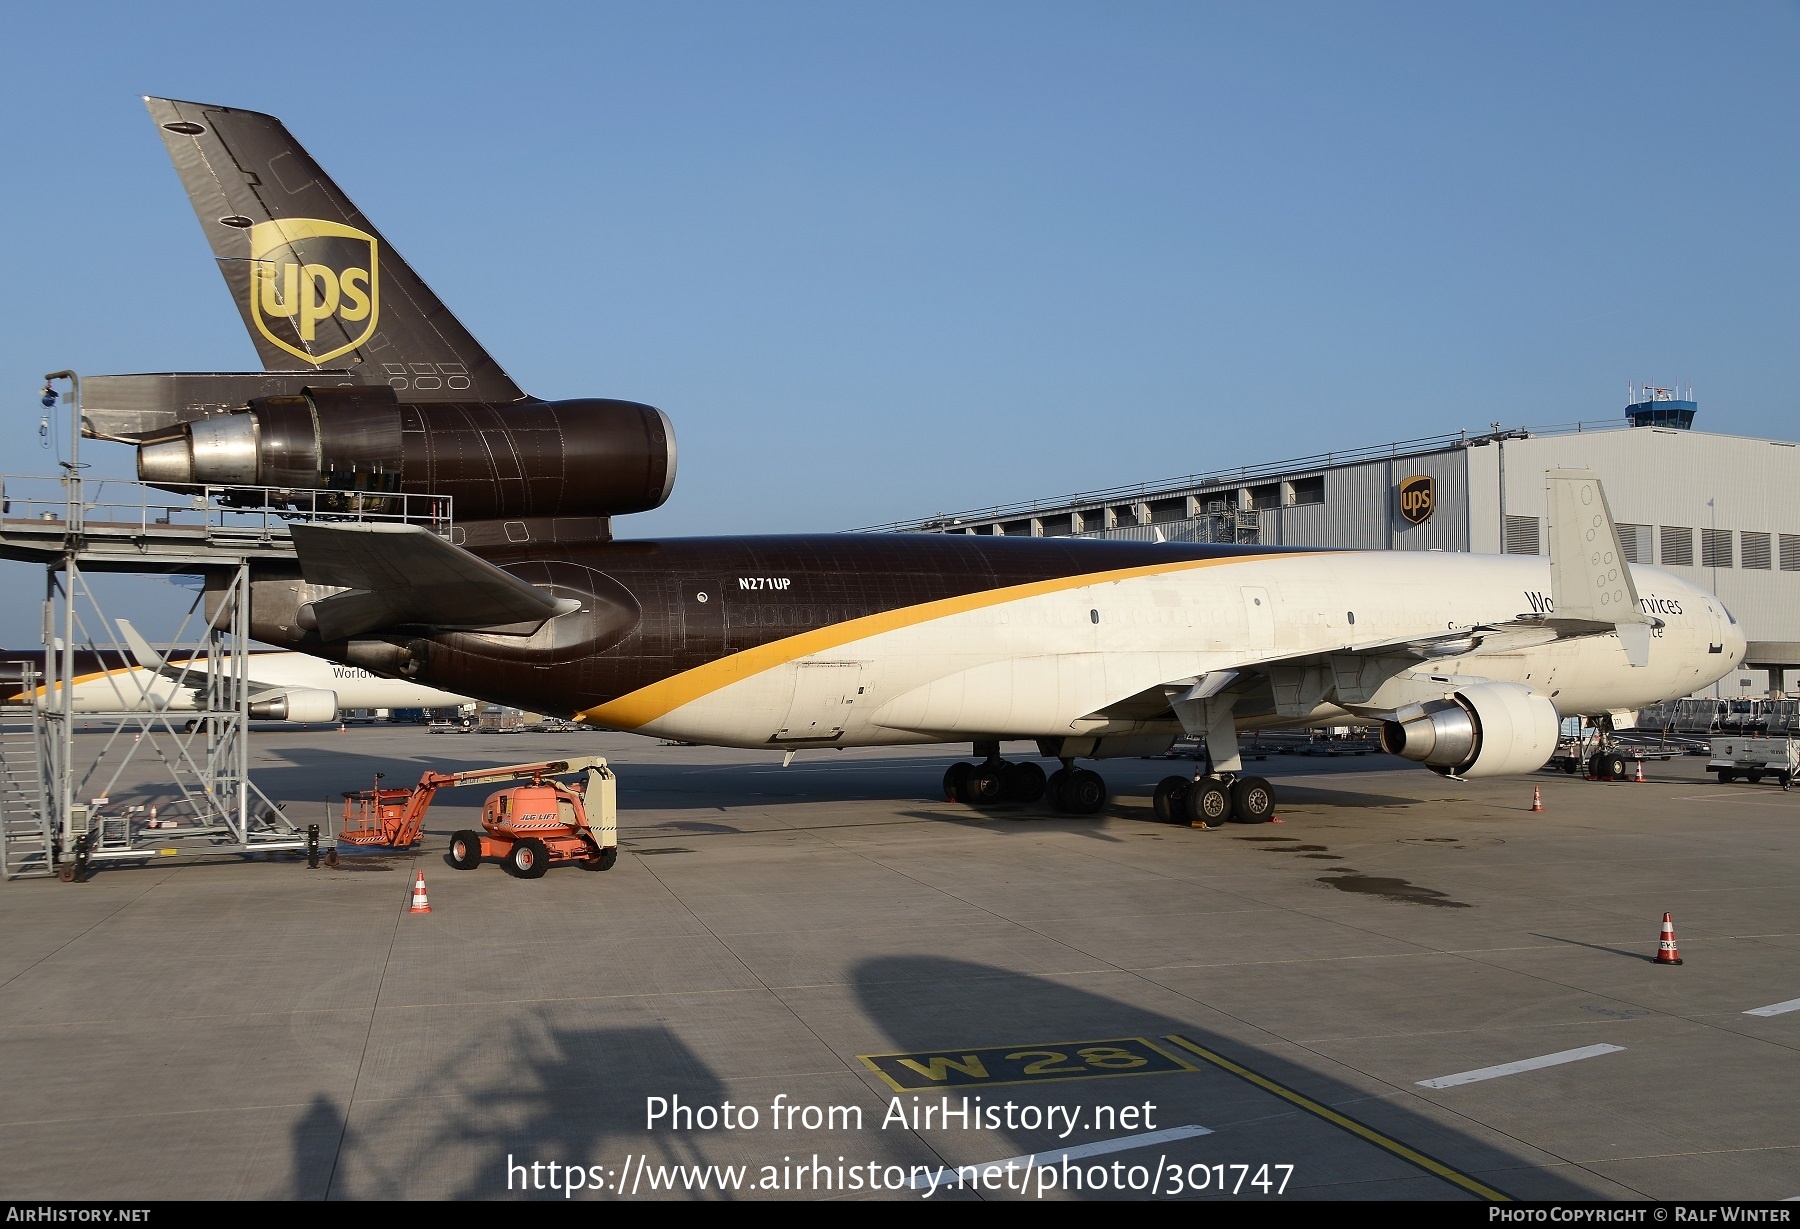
1483 730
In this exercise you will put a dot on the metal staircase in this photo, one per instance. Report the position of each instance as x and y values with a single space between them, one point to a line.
24 816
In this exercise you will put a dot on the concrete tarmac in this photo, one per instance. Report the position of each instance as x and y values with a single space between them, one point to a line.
832 941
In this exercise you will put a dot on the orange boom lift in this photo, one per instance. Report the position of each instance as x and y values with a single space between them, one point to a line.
528 827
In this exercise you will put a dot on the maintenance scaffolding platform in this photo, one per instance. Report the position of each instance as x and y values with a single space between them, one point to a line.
58 810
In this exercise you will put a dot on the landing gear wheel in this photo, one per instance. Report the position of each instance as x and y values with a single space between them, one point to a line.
465 850
1053 789
954 776
528 859
1022 782
1170 800
1208 802
1084 792
1252 800
1607 766
984 785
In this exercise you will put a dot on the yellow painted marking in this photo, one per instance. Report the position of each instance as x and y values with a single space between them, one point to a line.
1048 1063
646 704
1430 1165
197 665
168 853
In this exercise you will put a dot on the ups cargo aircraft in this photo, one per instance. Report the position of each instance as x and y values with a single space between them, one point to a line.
283 686
1090 649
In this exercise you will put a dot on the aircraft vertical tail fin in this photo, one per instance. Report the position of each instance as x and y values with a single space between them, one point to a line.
1589 576
317 284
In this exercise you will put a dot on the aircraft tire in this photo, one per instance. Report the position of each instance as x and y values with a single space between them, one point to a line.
1053 789
954 776
1022 782
986 784
1252 800
529 858
465 850
1208 802
1170 800
1084 792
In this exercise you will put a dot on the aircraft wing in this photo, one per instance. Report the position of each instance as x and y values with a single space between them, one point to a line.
406 576
1592 594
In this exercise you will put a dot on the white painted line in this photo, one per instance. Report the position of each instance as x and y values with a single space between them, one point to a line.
1101 1147
1775 1009
1524 1064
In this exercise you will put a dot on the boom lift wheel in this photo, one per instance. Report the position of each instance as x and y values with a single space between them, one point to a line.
529 858
1207 802
1252 800
465 850
602 861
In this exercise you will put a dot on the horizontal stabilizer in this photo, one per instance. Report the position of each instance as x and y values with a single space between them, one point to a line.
407 576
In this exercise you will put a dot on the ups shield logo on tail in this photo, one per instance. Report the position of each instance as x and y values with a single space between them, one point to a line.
315 286
1418 498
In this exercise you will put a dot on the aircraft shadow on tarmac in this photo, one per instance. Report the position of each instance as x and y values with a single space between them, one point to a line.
577 1095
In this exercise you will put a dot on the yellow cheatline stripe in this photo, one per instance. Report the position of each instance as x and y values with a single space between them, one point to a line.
43 692
665 696
1413 1155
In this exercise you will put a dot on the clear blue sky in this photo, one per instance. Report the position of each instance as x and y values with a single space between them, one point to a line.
882 261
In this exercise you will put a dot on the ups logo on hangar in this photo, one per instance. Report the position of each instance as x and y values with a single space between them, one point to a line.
1418 498
315 286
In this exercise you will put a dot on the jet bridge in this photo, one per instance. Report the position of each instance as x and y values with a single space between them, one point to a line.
143 781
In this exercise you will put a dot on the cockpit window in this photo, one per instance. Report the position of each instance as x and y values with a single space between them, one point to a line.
1728 614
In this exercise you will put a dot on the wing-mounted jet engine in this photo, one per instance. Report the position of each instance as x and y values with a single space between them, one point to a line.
1483 730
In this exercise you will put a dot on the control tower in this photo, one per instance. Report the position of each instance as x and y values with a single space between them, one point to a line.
1661 407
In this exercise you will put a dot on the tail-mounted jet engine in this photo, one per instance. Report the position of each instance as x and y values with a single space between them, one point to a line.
1484 730
528 459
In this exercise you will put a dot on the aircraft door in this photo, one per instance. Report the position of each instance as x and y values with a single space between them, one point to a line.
824 693
703 625
1259 614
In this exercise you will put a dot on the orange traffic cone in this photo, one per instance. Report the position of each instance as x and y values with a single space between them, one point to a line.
1639 779
1537 798
341 727
1666 952
420 904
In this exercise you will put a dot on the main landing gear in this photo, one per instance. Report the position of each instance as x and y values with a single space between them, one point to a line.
1075 791
1207 801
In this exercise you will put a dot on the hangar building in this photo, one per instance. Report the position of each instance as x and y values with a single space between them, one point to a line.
1721 510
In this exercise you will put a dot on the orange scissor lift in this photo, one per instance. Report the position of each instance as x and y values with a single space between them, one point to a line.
529 827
